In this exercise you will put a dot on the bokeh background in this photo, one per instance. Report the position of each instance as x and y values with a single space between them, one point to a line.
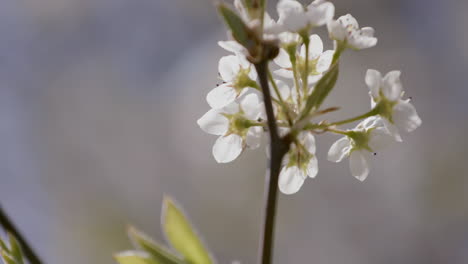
98 107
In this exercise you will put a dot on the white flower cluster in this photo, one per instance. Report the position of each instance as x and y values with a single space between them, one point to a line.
237 113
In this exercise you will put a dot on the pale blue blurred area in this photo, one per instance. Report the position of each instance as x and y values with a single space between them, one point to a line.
98 107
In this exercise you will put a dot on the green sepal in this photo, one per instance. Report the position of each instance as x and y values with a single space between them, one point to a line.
181 235
160 253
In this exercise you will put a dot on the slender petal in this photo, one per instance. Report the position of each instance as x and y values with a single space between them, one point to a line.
229 67
320 12
373 79
253 137
315 47
291 180
282 59
285 73
405 116
392 129
312 167
391 87
232 46
359 164
339 149
379 138
324 62
250 105
227 148
214 123
221 96
283 88
308 141
292 15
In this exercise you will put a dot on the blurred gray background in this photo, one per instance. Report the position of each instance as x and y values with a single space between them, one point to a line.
98 107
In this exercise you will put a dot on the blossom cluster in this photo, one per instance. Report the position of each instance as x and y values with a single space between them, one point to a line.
304 74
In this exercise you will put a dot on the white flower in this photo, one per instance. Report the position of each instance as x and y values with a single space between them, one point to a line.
346 30
300 162
387 95
293 16
238 77
368 137
236 124
319 61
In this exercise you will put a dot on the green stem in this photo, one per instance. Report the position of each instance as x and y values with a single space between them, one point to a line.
278 148
305 74
372 112
296 83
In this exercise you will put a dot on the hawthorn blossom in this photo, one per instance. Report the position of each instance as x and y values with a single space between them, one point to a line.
346 30
236 125
359 144
319 61
386 94
238 78
295 17
300 162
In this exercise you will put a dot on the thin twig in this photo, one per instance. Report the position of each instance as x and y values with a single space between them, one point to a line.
8 225
278 148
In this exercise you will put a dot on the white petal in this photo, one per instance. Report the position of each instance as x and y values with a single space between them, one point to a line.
232 46
405 116
359 164
315 46
313 79
391 86
221 96
367 31
283 89
289 37
250 105
339 149
348 21
227 148
380 138
229 67
292 15
308 141
373 79
291 180
214 123
392 129
284 73
282 59
253 137
320 12
325 60
359 42
312 167
336 30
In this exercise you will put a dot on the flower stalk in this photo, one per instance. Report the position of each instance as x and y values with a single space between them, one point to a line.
278 148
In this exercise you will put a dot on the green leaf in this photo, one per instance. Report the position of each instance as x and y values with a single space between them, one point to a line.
134 257
321 90
15 249
3 246
7 259
182 236
158 252
240 32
